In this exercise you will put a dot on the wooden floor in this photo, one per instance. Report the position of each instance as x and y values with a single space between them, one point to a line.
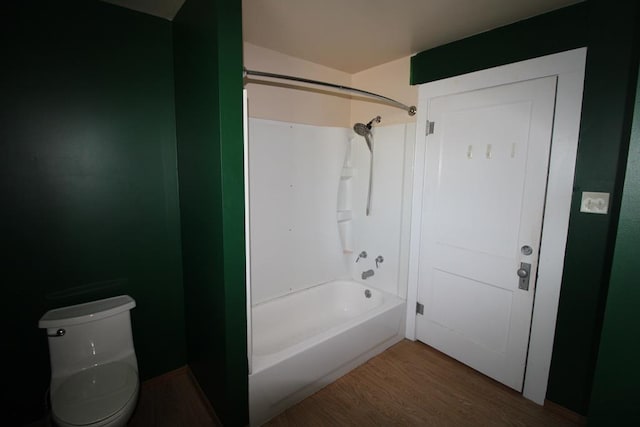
172 400
411 384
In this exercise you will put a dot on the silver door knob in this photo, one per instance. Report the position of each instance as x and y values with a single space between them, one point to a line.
523 274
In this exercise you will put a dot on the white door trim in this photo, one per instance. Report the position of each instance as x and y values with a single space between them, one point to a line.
247 227
569 66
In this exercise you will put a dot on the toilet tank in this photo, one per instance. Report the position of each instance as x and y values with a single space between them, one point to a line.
89 334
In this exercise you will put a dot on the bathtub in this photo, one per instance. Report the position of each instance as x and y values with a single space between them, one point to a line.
307 339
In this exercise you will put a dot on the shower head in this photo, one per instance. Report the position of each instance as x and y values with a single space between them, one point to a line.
362 129
365 130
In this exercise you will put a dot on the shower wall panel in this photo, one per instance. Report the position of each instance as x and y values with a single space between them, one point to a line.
294 174
385 231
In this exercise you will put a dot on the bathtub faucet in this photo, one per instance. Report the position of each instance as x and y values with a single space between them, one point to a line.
367 274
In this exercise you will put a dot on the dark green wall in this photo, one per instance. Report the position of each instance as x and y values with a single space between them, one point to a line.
561 30
611 72
88 184
608 30
615 399
208 81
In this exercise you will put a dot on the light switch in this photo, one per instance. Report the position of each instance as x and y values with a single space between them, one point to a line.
597 203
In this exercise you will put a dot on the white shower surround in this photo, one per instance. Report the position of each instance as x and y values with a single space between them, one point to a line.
302 180
294 171
294 175
386 231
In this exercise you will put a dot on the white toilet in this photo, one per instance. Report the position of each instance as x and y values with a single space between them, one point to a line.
94 371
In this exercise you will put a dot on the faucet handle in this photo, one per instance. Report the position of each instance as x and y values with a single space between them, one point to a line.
363 254
379 260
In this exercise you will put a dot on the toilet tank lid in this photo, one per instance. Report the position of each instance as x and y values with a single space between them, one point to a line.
87 312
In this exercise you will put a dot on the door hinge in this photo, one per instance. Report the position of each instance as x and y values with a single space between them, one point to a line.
419 308
430 126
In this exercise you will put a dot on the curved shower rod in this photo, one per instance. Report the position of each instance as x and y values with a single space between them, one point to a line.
409 109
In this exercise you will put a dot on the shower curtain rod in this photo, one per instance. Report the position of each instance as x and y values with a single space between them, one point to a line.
411 110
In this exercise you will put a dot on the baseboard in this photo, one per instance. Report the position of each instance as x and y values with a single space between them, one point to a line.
565 413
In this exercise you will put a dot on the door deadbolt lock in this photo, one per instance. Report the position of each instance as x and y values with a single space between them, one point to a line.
526 250
523 273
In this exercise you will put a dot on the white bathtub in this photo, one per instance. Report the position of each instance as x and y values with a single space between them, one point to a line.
305 340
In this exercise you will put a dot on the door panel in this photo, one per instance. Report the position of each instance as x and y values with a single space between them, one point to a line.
485 181
482 310
463 204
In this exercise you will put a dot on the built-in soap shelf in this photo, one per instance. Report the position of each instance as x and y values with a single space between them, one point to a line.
344 218
347 172
344 228
344 215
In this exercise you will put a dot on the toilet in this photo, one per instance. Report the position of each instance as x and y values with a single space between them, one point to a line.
94 371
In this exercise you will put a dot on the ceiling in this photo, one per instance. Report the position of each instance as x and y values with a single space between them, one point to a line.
354 35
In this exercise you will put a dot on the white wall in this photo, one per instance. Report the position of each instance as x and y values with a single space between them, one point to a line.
294 173
295 191
384 231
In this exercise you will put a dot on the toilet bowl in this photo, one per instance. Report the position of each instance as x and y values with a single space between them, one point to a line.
94 370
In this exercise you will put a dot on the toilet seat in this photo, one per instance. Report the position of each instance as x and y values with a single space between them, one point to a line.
94 394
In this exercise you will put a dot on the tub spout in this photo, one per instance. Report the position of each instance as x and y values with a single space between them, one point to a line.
367 274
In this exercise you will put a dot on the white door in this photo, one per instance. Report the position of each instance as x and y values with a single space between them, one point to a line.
483 202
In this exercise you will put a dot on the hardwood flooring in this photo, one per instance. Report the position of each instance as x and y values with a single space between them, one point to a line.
172 400
412 384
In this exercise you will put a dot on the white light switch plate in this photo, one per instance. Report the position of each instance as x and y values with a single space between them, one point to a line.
597 203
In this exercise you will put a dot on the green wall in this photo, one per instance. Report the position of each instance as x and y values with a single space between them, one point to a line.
88 184
615 399
608 30
561 30
208 81
611 72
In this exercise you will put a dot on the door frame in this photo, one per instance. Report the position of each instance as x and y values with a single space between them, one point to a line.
569 68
